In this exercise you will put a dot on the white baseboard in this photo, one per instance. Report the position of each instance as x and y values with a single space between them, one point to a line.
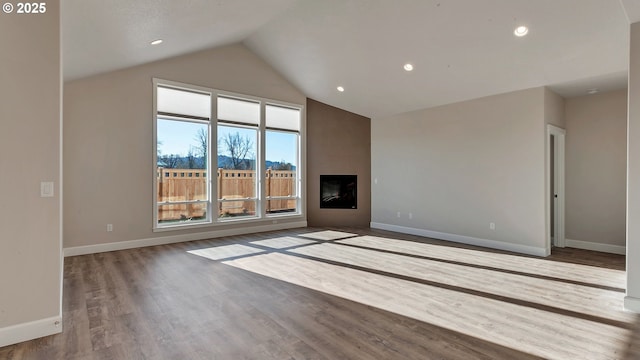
28 331
632 304
131 244
586 245
493 244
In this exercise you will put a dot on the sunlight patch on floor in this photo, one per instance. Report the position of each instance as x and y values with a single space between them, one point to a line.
225 251
587 300
328 235
542 333
283 242
530 265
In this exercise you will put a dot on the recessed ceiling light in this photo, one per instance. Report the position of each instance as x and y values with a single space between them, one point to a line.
521 31
340 88
592 91
156 42
408 67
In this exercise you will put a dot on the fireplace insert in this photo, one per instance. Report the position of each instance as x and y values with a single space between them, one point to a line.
338 191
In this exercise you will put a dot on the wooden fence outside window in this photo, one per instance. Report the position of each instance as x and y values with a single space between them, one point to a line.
175 185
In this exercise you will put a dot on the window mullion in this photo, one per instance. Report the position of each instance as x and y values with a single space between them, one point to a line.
261 162
212 163
181 202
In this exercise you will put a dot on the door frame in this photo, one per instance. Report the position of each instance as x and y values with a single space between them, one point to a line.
558 140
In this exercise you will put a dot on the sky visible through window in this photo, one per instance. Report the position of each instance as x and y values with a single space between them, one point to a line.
178 137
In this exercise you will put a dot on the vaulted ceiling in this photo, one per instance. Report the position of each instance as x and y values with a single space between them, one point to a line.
460 49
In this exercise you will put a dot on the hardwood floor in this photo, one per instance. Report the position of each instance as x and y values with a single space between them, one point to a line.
339 294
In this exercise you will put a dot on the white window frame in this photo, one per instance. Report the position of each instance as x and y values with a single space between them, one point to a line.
298 182
212 161
257 196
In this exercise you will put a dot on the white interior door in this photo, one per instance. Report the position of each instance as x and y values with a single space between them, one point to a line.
555 186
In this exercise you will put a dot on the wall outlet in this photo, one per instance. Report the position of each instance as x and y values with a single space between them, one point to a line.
492 226
410 216
109 227
398 213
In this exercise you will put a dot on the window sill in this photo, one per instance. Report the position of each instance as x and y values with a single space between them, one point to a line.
269 219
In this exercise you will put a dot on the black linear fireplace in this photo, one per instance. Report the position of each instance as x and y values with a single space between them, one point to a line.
338 191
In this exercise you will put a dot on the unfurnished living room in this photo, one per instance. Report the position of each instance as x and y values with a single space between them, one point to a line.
411 179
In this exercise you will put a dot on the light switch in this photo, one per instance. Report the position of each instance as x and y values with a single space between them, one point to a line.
46 189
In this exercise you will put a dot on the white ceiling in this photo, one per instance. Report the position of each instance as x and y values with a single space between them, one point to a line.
461 49
100 36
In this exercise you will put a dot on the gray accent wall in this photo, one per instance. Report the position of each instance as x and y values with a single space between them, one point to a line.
339 143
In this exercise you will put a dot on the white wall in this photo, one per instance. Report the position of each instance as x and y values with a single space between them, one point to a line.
30 240
451 170
554 109
632 301
596 170
108 144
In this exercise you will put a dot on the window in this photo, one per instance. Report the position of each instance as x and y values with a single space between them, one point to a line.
256 160
281 147
238 122
237 149
182 127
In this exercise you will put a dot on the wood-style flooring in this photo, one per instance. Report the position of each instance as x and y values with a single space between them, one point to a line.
339 294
